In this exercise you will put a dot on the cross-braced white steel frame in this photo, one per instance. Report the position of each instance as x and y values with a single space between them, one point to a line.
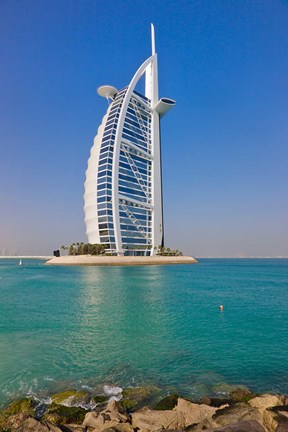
123 188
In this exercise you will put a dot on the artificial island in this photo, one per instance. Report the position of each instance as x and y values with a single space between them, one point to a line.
123 202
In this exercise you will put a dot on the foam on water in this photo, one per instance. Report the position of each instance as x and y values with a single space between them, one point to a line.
111 390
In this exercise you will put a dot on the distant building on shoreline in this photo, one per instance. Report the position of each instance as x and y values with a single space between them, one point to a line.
123 187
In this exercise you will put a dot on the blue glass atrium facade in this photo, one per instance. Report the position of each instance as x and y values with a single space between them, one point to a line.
134 176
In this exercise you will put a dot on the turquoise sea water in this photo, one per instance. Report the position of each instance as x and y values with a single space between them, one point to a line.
66 327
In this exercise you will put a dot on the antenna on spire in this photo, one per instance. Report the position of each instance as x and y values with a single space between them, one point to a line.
153 39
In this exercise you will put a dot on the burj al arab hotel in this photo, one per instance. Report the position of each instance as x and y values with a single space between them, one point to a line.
123 187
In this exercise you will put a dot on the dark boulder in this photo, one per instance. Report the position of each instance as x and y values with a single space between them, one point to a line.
241 395
282 426
236 413
168 403
215 402
242 426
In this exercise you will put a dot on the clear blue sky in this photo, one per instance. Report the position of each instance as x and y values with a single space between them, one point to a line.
224 144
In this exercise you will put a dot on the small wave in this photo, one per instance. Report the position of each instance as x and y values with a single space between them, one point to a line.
45 400
116 398
112 390
89 406
86 387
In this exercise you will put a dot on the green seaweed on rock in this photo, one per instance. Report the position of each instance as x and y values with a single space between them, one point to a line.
73 397
25 405
61 414
128 404
99 399
136 393
136 397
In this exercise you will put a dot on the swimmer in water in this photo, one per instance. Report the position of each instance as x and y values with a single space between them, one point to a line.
221 307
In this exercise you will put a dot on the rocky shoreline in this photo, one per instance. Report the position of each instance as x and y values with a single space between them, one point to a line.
136 410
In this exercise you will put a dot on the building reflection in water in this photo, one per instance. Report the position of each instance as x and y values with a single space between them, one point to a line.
120 318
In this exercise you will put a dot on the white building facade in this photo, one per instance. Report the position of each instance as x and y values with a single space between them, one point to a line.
123 187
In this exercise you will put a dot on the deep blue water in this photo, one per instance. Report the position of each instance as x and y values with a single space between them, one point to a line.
75 326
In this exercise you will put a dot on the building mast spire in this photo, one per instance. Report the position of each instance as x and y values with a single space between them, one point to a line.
151 75
153 39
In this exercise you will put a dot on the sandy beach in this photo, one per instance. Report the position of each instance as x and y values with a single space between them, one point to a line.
102 260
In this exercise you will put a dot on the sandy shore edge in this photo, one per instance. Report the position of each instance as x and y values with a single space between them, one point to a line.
89 260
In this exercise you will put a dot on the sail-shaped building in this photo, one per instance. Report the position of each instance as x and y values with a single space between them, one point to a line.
123 187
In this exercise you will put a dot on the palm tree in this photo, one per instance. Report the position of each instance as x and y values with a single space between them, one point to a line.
85 248
74 249
81 248
77 248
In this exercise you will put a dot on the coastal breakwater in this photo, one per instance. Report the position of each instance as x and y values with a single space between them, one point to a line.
103 260
130 411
